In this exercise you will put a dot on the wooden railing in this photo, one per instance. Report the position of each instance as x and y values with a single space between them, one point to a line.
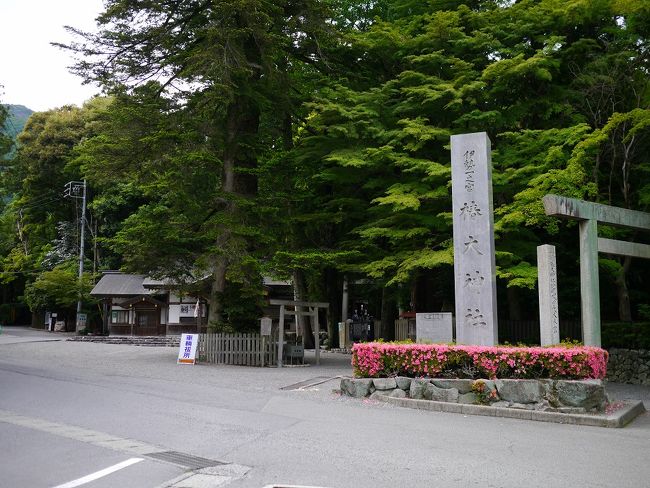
238 349
404 329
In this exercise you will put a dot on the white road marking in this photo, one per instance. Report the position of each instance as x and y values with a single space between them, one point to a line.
100 474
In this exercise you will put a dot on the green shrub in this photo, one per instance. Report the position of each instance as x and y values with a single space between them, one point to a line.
626 335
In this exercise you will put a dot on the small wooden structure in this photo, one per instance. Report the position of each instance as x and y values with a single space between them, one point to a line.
135 304
298 309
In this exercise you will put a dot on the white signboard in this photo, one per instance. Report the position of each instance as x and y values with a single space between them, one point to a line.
82 318
187 351
265 326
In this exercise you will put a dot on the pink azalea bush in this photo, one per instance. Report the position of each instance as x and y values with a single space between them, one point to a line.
384 359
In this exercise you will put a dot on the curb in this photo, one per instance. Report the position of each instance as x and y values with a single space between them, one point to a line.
617 419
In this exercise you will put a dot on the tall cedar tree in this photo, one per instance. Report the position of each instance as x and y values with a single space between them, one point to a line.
227 61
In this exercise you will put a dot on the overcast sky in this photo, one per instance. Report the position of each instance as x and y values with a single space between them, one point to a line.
32 72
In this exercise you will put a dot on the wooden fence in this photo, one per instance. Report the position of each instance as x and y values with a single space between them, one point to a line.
238 349
404 329
527 331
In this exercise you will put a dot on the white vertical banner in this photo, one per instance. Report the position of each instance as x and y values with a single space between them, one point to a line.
474 265
187 350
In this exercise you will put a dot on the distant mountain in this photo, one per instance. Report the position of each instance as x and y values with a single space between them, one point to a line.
18 115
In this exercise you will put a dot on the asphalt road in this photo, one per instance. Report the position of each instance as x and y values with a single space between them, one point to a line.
69 410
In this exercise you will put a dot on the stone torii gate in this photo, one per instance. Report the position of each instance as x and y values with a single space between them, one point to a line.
297 306
589 215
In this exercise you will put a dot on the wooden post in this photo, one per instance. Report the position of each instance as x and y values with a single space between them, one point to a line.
281 336
316 335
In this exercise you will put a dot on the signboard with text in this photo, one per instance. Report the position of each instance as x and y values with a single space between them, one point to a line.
82 318
187 350
265 326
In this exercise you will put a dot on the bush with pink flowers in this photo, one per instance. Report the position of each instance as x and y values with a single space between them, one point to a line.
385 359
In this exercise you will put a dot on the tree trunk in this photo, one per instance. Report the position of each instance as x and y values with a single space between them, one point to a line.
215 302
300 292
237 179
334 312
387 315
624 308
37 319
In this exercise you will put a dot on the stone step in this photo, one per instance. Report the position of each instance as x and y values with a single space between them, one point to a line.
150 341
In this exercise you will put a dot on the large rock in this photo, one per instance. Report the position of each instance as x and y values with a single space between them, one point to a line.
385 383
521 391
397 393
356 387
403 383
586 394
463 386
468 398
417 387
379 393
432 392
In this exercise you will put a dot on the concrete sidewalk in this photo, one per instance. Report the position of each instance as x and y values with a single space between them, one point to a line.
621 391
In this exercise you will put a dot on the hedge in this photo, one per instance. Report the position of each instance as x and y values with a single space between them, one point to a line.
626 335
385 359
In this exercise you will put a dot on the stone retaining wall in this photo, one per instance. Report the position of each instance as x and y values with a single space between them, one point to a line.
629 366
563 396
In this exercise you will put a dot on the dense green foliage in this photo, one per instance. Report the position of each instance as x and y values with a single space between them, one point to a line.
5 135
310 140
626 335
16 120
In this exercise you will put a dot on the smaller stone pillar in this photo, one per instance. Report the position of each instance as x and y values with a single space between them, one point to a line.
549 317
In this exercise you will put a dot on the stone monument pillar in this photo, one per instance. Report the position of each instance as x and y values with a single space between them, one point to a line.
474 267
549 316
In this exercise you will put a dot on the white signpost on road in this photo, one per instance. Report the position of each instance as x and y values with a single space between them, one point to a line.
187 350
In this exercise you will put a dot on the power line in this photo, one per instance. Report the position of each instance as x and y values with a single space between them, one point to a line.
40 203
36 204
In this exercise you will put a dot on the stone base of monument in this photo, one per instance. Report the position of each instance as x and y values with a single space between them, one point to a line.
578 402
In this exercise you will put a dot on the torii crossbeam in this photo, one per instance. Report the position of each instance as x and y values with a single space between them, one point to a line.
589 215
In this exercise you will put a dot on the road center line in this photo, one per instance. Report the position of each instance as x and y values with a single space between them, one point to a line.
100 474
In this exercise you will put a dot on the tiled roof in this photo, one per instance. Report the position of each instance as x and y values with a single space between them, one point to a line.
120 284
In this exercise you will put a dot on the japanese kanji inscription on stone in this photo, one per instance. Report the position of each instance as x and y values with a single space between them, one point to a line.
474 268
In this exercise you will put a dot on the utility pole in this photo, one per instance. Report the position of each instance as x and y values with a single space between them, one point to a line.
77 189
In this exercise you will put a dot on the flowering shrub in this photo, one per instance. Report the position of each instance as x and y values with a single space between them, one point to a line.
484 395
384 359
